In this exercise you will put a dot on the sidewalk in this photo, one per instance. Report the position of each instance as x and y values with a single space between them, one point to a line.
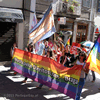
11 88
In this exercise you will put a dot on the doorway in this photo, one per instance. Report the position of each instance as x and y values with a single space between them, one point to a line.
7 38
81 32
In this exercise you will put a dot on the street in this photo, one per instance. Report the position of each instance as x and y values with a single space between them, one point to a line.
11 88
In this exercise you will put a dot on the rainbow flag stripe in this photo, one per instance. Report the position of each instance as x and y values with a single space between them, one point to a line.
68 42
47 71
94 57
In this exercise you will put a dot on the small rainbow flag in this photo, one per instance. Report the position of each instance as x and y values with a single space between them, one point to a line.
68 42
94 57
47 71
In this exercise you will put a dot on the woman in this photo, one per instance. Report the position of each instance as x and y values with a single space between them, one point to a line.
80 61
49 55
12 52
12 49
28 49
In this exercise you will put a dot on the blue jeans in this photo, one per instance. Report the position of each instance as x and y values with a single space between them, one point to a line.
79 88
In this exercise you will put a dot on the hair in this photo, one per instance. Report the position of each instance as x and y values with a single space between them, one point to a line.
30 46
83 54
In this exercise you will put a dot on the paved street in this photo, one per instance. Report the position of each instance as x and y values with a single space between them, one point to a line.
11 88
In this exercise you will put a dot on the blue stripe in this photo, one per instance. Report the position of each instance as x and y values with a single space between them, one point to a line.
40 22
45 78
97 46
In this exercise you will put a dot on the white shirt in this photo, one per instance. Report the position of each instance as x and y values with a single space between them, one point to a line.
82 72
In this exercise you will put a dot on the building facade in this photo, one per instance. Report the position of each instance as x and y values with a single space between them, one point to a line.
80 22
79 19
12 26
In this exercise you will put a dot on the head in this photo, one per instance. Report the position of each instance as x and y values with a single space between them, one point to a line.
46 43
82 56
14 45
82 46
30 48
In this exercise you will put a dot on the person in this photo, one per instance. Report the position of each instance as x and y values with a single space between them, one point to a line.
79 50
46 48
28 49
93 74
50 44
12 49
12 53
80 61
49 55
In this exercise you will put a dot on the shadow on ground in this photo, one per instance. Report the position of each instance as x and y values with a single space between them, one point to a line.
11 88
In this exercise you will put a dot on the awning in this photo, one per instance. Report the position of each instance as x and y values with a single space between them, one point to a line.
11 15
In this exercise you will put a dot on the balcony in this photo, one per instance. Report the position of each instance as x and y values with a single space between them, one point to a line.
67 8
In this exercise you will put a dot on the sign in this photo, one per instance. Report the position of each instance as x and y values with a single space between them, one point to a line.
97 21
47 71
97 31
74 47
62 20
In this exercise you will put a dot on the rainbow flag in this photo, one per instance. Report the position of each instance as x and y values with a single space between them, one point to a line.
47 71
94 57
68 42
44 28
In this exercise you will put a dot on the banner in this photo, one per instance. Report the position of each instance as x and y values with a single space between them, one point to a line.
47 71
44 28
74 47
94 57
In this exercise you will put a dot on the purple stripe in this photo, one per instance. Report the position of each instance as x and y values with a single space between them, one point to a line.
51 85
98 39
46 78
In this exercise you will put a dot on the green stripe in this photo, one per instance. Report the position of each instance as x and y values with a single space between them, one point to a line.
98 56
94 51
60 79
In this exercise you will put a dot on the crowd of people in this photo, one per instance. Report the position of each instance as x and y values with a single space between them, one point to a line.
59 52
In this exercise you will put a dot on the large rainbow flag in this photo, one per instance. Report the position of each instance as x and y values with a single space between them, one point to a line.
47 71
94 57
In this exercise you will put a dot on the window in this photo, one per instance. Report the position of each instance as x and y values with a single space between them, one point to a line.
98 5
86 3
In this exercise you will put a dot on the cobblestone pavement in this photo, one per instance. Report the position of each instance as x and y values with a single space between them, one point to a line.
11 88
